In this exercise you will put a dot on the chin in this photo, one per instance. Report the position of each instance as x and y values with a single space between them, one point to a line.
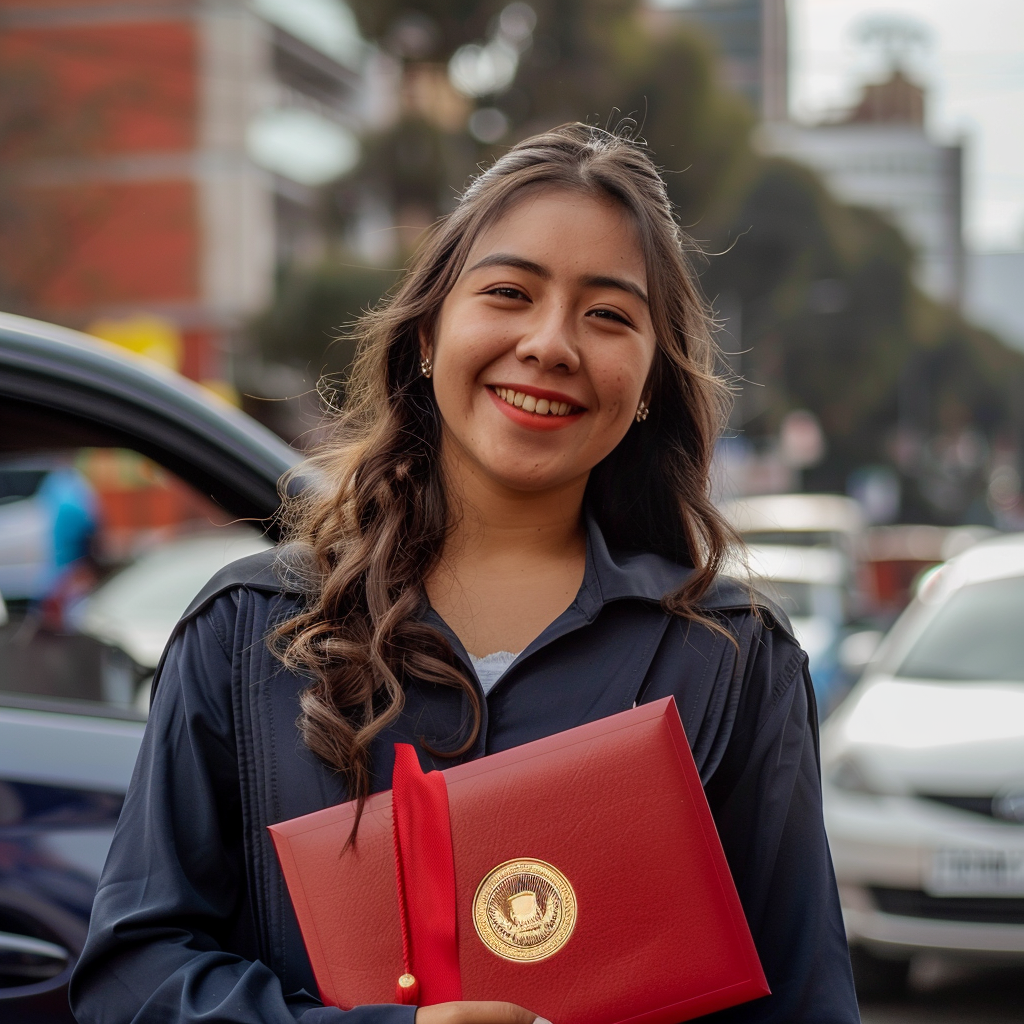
532 465
524 474
529 483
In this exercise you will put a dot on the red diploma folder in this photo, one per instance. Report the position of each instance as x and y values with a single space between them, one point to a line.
588 883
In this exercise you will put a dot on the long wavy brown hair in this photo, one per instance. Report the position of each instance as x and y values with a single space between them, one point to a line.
370 529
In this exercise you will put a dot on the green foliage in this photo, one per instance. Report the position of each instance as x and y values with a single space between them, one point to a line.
832 322
824 292
307 327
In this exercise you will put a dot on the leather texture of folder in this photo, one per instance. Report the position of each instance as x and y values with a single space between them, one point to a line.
590 885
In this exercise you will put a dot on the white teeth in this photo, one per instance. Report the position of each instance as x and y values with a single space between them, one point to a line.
538 406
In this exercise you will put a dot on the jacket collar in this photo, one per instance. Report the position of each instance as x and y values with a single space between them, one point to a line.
613 575
610 575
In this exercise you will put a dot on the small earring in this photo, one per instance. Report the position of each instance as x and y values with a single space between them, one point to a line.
426 367
641 411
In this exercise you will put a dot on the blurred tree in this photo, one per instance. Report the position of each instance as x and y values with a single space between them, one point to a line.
593 60
306 325
833 323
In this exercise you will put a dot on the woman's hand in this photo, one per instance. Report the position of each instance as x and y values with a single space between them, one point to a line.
466 1012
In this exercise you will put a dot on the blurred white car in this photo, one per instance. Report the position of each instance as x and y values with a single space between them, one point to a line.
805 520
137 608
134 612
923 773
810 583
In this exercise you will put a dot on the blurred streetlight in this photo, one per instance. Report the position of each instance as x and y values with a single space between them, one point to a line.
484 69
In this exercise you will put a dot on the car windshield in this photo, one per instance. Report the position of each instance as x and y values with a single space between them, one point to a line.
975 635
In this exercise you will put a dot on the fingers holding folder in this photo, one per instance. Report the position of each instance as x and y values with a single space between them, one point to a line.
476 1012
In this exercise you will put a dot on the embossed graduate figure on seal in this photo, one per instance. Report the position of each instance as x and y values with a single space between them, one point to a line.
524 910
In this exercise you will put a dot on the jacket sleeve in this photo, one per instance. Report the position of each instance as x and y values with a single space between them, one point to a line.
171 940
766 799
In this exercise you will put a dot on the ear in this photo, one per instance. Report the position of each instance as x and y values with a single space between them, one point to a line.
426 344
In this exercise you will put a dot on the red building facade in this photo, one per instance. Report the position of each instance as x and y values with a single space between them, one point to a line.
126 188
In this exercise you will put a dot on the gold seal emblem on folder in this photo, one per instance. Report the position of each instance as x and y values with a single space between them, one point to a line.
524 910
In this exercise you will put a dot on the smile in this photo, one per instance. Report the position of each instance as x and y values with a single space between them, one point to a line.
538 406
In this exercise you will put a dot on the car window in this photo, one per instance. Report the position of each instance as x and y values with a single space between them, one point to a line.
101 550
975 635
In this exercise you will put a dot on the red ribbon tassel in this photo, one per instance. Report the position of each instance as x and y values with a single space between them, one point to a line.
425 872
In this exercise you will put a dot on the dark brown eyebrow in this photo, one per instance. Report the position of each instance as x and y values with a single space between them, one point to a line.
505 259
616 282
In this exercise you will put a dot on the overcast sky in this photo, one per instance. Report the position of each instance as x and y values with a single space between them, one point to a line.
974 69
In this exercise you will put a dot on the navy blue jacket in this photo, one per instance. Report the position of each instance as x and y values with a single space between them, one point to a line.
192 922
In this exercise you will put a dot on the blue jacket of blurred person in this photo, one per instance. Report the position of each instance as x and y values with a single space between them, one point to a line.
72 508
48 518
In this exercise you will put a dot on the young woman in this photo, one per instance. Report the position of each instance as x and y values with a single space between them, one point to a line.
507 534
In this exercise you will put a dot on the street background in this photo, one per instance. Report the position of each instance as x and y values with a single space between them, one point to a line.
223 186
228 190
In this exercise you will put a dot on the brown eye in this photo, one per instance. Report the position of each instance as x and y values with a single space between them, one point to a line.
506 292
609 314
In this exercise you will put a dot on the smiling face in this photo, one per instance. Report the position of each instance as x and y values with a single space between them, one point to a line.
544 345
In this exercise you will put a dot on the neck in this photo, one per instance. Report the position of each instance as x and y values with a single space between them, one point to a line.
513 561
491 520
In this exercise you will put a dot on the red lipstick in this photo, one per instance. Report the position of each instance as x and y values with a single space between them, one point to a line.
533 420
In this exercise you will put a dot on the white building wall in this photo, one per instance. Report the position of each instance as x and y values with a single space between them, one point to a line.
236 197
774 61
898 171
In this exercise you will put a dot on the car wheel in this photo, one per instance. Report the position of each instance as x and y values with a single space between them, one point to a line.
877 977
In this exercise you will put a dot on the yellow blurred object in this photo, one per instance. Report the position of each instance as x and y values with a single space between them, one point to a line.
428 92
150 336
224 390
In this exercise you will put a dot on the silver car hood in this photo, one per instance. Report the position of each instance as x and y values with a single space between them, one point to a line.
929 737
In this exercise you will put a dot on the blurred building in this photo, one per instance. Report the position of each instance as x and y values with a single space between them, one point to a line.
162 159
752 39
880 156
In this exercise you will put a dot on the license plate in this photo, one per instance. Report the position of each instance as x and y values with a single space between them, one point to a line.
976 873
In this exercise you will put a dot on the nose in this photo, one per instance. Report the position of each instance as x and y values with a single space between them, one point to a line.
551 342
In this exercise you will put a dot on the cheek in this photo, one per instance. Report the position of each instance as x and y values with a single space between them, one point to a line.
458 364
621 383
463 350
